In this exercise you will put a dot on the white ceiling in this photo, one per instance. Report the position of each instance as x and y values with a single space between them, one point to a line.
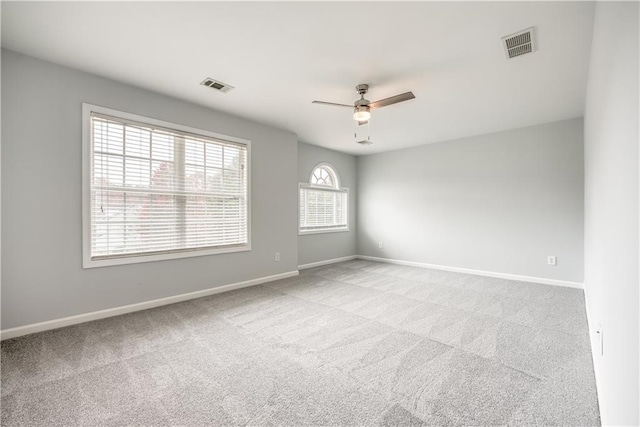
281 56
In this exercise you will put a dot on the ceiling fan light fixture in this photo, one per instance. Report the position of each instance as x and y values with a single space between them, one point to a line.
362 113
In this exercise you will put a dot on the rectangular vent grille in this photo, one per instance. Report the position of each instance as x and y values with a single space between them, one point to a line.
519 43
217 85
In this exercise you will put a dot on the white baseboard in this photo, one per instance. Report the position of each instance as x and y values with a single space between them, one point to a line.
326 262
507 276
110 312
592 325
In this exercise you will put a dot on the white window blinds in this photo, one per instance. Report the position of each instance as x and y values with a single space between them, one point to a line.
323 205
157 190
322 209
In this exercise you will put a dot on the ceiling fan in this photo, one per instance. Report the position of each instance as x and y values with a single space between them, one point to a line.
362 107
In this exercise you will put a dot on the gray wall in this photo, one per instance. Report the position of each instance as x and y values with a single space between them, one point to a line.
326 246
500 202
611 209
42 275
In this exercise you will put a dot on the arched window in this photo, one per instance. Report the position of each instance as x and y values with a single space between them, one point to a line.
324 175
324 205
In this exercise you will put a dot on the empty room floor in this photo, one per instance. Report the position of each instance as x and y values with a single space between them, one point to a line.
355 343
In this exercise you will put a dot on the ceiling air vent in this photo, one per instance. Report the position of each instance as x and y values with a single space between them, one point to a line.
519 43
217 85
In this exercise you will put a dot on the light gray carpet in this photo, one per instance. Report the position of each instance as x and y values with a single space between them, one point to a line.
356 343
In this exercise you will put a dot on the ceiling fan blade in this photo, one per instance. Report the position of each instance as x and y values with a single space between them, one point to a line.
332 103
392 100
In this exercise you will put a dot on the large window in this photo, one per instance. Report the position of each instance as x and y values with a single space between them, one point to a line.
155 190
323 204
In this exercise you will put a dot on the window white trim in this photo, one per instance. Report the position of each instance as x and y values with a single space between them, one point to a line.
87 173
334 188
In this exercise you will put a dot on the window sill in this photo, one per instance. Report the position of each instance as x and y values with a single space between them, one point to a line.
340 230
89 263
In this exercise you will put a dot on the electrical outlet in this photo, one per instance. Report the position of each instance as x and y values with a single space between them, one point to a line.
277 257
379 245
551 260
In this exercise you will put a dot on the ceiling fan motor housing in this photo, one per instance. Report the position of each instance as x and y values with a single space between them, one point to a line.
362 89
